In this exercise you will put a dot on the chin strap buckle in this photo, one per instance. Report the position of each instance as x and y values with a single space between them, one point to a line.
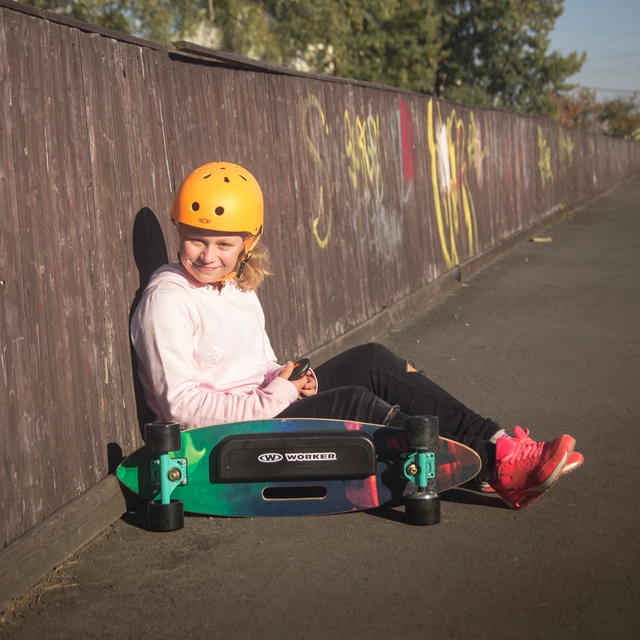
242 264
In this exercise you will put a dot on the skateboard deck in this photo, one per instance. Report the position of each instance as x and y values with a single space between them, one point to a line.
287 467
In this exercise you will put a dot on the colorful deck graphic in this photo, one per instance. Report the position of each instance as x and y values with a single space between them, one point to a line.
206 493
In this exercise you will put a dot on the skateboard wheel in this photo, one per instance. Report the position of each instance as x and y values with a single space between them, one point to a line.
422 508
422 432
162 437
165 517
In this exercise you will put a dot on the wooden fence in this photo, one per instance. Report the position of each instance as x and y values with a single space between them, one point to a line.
371 193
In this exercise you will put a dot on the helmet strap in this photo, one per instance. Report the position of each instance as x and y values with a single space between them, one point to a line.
242 264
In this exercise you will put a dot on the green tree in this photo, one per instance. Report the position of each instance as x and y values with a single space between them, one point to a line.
162 21
239 26
496 54
579 108
111 15
413 45
620 117
385 41
487 52
165 21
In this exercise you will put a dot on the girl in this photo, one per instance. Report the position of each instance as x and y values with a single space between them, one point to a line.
204 357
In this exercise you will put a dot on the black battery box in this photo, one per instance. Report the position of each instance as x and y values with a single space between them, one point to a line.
296 456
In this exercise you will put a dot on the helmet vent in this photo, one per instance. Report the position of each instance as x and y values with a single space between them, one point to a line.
207 176
226 179
242 177
219 211
195 206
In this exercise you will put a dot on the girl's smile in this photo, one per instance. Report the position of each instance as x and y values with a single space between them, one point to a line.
206 255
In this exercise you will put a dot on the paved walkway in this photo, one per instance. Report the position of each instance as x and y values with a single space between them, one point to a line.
546 337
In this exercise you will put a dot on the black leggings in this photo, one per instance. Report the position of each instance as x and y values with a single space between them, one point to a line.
370 383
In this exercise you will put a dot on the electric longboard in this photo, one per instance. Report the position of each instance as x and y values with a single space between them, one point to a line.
294 467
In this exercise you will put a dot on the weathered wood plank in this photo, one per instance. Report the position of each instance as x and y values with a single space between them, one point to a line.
66 129
16 385
111 200
29 449
126 80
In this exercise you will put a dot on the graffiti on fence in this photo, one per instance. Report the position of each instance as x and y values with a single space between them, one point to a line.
376 224
508 169
544 161
475 151
362 145
405 121
522 154
566 150
315 128
402 132
455 212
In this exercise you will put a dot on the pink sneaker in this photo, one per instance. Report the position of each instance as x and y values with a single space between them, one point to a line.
573 462
525 469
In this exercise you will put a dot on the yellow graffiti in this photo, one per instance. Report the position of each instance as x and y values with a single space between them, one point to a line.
455 212
544 163
321 225
362 145
566 150
475 152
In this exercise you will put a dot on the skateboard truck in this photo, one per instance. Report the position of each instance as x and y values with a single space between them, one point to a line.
166 472
422 506
420 467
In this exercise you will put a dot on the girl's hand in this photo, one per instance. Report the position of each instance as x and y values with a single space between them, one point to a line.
310 388
298 384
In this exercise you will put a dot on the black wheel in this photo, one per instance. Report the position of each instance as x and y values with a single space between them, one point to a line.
422 432
162 437
165 517
422 508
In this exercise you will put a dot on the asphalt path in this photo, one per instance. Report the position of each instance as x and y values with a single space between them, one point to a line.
546 337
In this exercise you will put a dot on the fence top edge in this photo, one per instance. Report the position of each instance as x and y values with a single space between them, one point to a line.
242 62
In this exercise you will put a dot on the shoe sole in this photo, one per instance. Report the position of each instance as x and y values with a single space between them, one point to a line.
570 466
535 492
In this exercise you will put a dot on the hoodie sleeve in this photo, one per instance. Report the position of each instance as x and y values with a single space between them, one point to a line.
162 332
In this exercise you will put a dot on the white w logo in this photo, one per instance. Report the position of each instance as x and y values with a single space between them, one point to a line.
270 457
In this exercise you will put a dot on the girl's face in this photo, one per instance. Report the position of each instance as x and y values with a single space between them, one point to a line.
208 256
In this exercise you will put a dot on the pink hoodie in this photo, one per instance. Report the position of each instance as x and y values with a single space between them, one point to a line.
204 356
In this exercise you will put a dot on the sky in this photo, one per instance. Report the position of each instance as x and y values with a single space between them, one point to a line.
609 32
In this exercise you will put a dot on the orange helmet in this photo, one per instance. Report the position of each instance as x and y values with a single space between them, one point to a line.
221 196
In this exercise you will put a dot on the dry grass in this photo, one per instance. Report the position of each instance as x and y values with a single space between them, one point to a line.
55 579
